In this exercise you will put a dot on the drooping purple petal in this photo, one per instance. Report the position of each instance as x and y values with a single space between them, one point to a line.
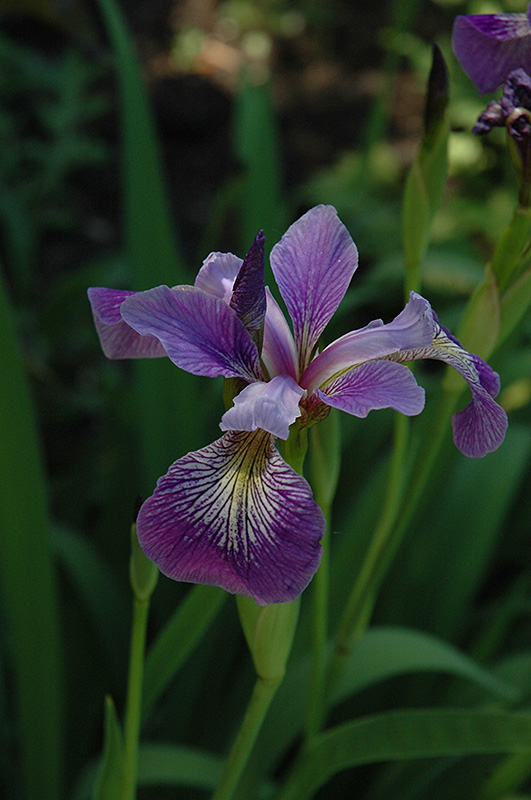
272 406
480 427
313 264
248 295
217 275
373 385
199 332
413 327
490 46
235 515
117 339
279 353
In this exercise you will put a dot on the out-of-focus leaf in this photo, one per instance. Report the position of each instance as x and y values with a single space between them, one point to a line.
382 653
385 652
426 178
511 246
515 303
402 735
463 533
163 765
178 639
168 416
110 774
27 579
94 580
256 145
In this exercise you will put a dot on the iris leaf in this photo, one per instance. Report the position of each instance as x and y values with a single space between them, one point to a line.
164 765
181 635
164 395
402 735
109 779
381 654
106 606
257 148
27 580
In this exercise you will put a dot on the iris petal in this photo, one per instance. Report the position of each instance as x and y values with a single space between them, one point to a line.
480 427
117 338
490 46
376 384
272 406
279 353
248 294
199 332
313 264
235 515
217 275
413 327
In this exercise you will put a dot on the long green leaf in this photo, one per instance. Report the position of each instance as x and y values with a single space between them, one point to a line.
426 178
95 582
385 652
465 533
180 636
163 765
257 148
150 233
167 416
381 654
110 772
27 578
402 735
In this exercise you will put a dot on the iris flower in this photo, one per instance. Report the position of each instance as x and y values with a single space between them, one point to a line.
235 514
490 46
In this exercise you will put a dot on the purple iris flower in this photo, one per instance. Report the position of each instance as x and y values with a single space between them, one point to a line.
490 46
235 514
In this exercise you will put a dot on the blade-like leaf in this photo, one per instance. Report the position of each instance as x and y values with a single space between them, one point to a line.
178 639
256 145
381 654
163 765
425 181
94 580
402 735
515 304
110 774
163 393
27 579
388 651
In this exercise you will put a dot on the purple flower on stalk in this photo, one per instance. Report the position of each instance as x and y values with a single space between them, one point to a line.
490 46
235 514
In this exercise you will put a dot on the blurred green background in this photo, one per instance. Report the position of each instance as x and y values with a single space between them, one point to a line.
261 110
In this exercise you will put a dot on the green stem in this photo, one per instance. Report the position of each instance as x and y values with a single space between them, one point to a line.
325 460
511 245
295 447
261 698
134 697
362 597
316 701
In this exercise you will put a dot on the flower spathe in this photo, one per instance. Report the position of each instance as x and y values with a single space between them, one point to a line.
490 46
235 514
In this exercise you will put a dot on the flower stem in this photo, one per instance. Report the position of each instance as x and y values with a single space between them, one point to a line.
316 701
261 698
511 245
134 697
325 460
362 597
